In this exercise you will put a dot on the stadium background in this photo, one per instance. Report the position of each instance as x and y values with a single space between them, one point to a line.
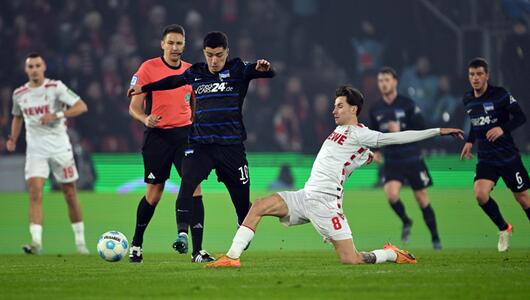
315 45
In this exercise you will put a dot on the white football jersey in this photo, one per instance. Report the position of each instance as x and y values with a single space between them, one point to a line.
345 149
33 103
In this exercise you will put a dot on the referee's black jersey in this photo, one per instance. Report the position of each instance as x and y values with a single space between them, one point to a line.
493 109
218 99
404 111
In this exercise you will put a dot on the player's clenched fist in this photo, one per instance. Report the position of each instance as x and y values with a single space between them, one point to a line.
263 65
10 144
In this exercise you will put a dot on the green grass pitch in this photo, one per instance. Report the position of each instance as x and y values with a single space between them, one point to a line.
281 263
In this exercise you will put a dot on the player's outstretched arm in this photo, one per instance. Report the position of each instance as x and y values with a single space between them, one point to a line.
168 83
411 136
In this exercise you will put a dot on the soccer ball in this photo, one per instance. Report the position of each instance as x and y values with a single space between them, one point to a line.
112 246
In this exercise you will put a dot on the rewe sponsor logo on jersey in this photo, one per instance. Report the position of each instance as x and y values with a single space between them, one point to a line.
37 110
337 138
215 87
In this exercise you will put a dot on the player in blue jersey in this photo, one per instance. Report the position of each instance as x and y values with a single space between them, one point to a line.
494 114
395 113
217 133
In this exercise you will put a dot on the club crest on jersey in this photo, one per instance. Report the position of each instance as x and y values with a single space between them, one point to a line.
187 98
134 80
488 106
400 113
224 74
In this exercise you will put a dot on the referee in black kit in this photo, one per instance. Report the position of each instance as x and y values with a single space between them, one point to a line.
217 133
394 113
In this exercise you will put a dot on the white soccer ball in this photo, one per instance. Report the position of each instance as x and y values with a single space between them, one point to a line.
112 246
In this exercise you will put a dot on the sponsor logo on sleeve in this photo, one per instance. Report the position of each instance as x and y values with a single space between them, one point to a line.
134 80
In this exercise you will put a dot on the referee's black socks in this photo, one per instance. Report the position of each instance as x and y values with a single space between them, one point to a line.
492 210
144 213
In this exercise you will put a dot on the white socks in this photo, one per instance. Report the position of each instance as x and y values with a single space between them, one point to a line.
79 231
243 236
36 233
382 256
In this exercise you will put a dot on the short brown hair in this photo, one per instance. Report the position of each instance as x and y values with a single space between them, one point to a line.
353 96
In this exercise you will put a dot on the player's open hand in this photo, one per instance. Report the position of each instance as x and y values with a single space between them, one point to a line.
134 90
10 144
494 133
151 120
47 118
466 151
262 65
455 132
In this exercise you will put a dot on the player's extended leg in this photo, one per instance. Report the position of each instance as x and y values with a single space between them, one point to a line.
524 199
482 189
428 216
272 205
76 215
349 255
392 188
35 188
144 214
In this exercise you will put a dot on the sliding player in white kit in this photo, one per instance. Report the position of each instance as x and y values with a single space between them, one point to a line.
41 103
320 201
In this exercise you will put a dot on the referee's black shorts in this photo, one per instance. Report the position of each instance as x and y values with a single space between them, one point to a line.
161 149
229 161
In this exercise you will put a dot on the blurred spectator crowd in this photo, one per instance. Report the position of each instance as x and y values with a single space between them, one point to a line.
96 46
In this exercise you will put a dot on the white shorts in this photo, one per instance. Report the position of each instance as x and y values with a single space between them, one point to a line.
62 165
322 210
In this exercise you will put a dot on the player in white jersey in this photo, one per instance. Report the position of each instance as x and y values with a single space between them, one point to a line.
44 104
320 201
